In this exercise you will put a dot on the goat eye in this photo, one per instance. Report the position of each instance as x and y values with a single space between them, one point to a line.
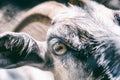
59 48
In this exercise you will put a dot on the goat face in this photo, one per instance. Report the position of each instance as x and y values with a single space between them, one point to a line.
82 44
88 42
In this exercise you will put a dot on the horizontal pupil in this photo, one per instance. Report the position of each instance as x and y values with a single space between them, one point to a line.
58 48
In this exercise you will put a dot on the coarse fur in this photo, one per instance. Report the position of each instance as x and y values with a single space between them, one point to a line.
88 35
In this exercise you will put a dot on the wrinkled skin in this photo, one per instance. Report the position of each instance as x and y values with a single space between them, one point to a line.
82 44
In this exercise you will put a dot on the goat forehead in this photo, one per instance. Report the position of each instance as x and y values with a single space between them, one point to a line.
93 21
68 33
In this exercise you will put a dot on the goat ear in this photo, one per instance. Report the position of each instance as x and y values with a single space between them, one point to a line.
18 49
117 16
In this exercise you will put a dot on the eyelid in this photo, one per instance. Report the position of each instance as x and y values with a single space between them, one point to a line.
55 39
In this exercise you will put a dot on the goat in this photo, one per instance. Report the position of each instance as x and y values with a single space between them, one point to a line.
81 44
41 11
